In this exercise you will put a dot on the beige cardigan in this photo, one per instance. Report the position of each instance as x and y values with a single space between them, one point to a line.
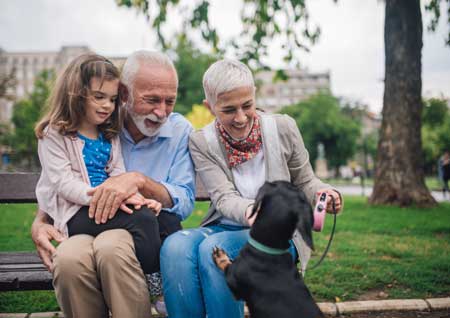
285 156
62 187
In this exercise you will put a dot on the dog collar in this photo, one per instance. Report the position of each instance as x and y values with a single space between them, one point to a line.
266 249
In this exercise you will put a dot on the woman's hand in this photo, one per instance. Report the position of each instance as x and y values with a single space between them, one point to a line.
337 199
250 219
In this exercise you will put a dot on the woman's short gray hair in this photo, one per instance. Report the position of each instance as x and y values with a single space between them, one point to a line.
143 57
224 76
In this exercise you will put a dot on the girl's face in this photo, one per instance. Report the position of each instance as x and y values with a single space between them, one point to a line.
235 110
101 100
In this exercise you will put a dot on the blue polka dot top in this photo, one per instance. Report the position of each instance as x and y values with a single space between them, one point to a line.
96 153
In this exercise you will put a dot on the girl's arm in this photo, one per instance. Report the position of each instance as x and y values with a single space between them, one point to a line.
56 164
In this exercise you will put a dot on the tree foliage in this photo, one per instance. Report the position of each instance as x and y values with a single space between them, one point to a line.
190 63
435 7
264 23
321 120
26 113
7 83
156 13
368 144
200 116
435 131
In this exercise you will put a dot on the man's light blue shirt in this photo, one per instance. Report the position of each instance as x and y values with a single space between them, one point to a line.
165 158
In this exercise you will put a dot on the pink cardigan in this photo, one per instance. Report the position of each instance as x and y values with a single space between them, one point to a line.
64 182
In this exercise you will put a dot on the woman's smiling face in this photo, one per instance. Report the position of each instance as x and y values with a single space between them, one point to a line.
235 110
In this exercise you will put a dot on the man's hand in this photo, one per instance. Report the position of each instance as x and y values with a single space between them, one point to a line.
337 200
42 234
108 197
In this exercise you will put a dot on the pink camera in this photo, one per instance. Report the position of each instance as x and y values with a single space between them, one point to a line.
319 212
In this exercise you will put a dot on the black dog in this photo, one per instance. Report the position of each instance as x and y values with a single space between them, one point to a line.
264 274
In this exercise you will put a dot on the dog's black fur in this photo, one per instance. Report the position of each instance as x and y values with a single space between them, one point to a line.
271 284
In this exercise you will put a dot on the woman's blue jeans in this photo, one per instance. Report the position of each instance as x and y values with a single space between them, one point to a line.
193 285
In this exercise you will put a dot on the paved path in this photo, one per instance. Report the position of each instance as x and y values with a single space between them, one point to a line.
358 190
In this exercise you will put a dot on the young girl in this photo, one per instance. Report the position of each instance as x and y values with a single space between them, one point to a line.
79 149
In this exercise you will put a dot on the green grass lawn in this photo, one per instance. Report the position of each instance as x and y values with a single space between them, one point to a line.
403 252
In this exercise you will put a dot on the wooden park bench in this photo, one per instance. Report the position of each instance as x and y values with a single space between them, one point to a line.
24 270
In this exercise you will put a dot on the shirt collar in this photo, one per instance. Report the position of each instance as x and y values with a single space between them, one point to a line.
166 130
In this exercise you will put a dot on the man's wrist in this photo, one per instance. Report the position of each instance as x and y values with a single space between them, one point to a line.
42 218
139 179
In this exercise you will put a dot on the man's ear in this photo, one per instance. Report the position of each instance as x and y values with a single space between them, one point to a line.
208 105
123 92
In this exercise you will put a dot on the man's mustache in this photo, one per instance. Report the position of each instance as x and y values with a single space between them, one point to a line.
152 117
156 119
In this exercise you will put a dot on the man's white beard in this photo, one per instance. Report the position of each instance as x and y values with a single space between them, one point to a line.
139 121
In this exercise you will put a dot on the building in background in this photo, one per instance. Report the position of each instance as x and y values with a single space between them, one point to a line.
27 65
300 85
272 95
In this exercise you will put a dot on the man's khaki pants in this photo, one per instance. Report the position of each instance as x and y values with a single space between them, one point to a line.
93 276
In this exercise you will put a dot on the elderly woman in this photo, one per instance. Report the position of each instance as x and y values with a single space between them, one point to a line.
233 156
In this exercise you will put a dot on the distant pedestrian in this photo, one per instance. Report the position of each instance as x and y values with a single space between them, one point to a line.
444 168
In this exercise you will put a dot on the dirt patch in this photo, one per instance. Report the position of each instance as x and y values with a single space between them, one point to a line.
374 294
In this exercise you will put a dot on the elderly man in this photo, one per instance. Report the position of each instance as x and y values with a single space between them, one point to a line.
94 275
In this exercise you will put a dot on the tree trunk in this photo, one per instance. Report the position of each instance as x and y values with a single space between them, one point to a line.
399 174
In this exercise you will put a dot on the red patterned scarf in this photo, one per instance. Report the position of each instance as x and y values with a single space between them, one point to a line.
240 151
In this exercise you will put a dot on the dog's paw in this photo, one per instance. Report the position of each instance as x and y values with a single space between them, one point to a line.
220 258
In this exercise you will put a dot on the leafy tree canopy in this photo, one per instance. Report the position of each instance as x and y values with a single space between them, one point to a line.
7 83
191 64
26 113
321 120
264 23
435 131
435 111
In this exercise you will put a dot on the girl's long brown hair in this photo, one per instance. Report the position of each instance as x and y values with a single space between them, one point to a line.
66 104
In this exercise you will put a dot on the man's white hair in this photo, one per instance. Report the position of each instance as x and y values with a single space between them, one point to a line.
140 58
224 76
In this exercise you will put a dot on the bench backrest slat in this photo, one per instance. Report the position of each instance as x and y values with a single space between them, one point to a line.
20 188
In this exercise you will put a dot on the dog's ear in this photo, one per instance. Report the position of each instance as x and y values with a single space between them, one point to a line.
305 223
